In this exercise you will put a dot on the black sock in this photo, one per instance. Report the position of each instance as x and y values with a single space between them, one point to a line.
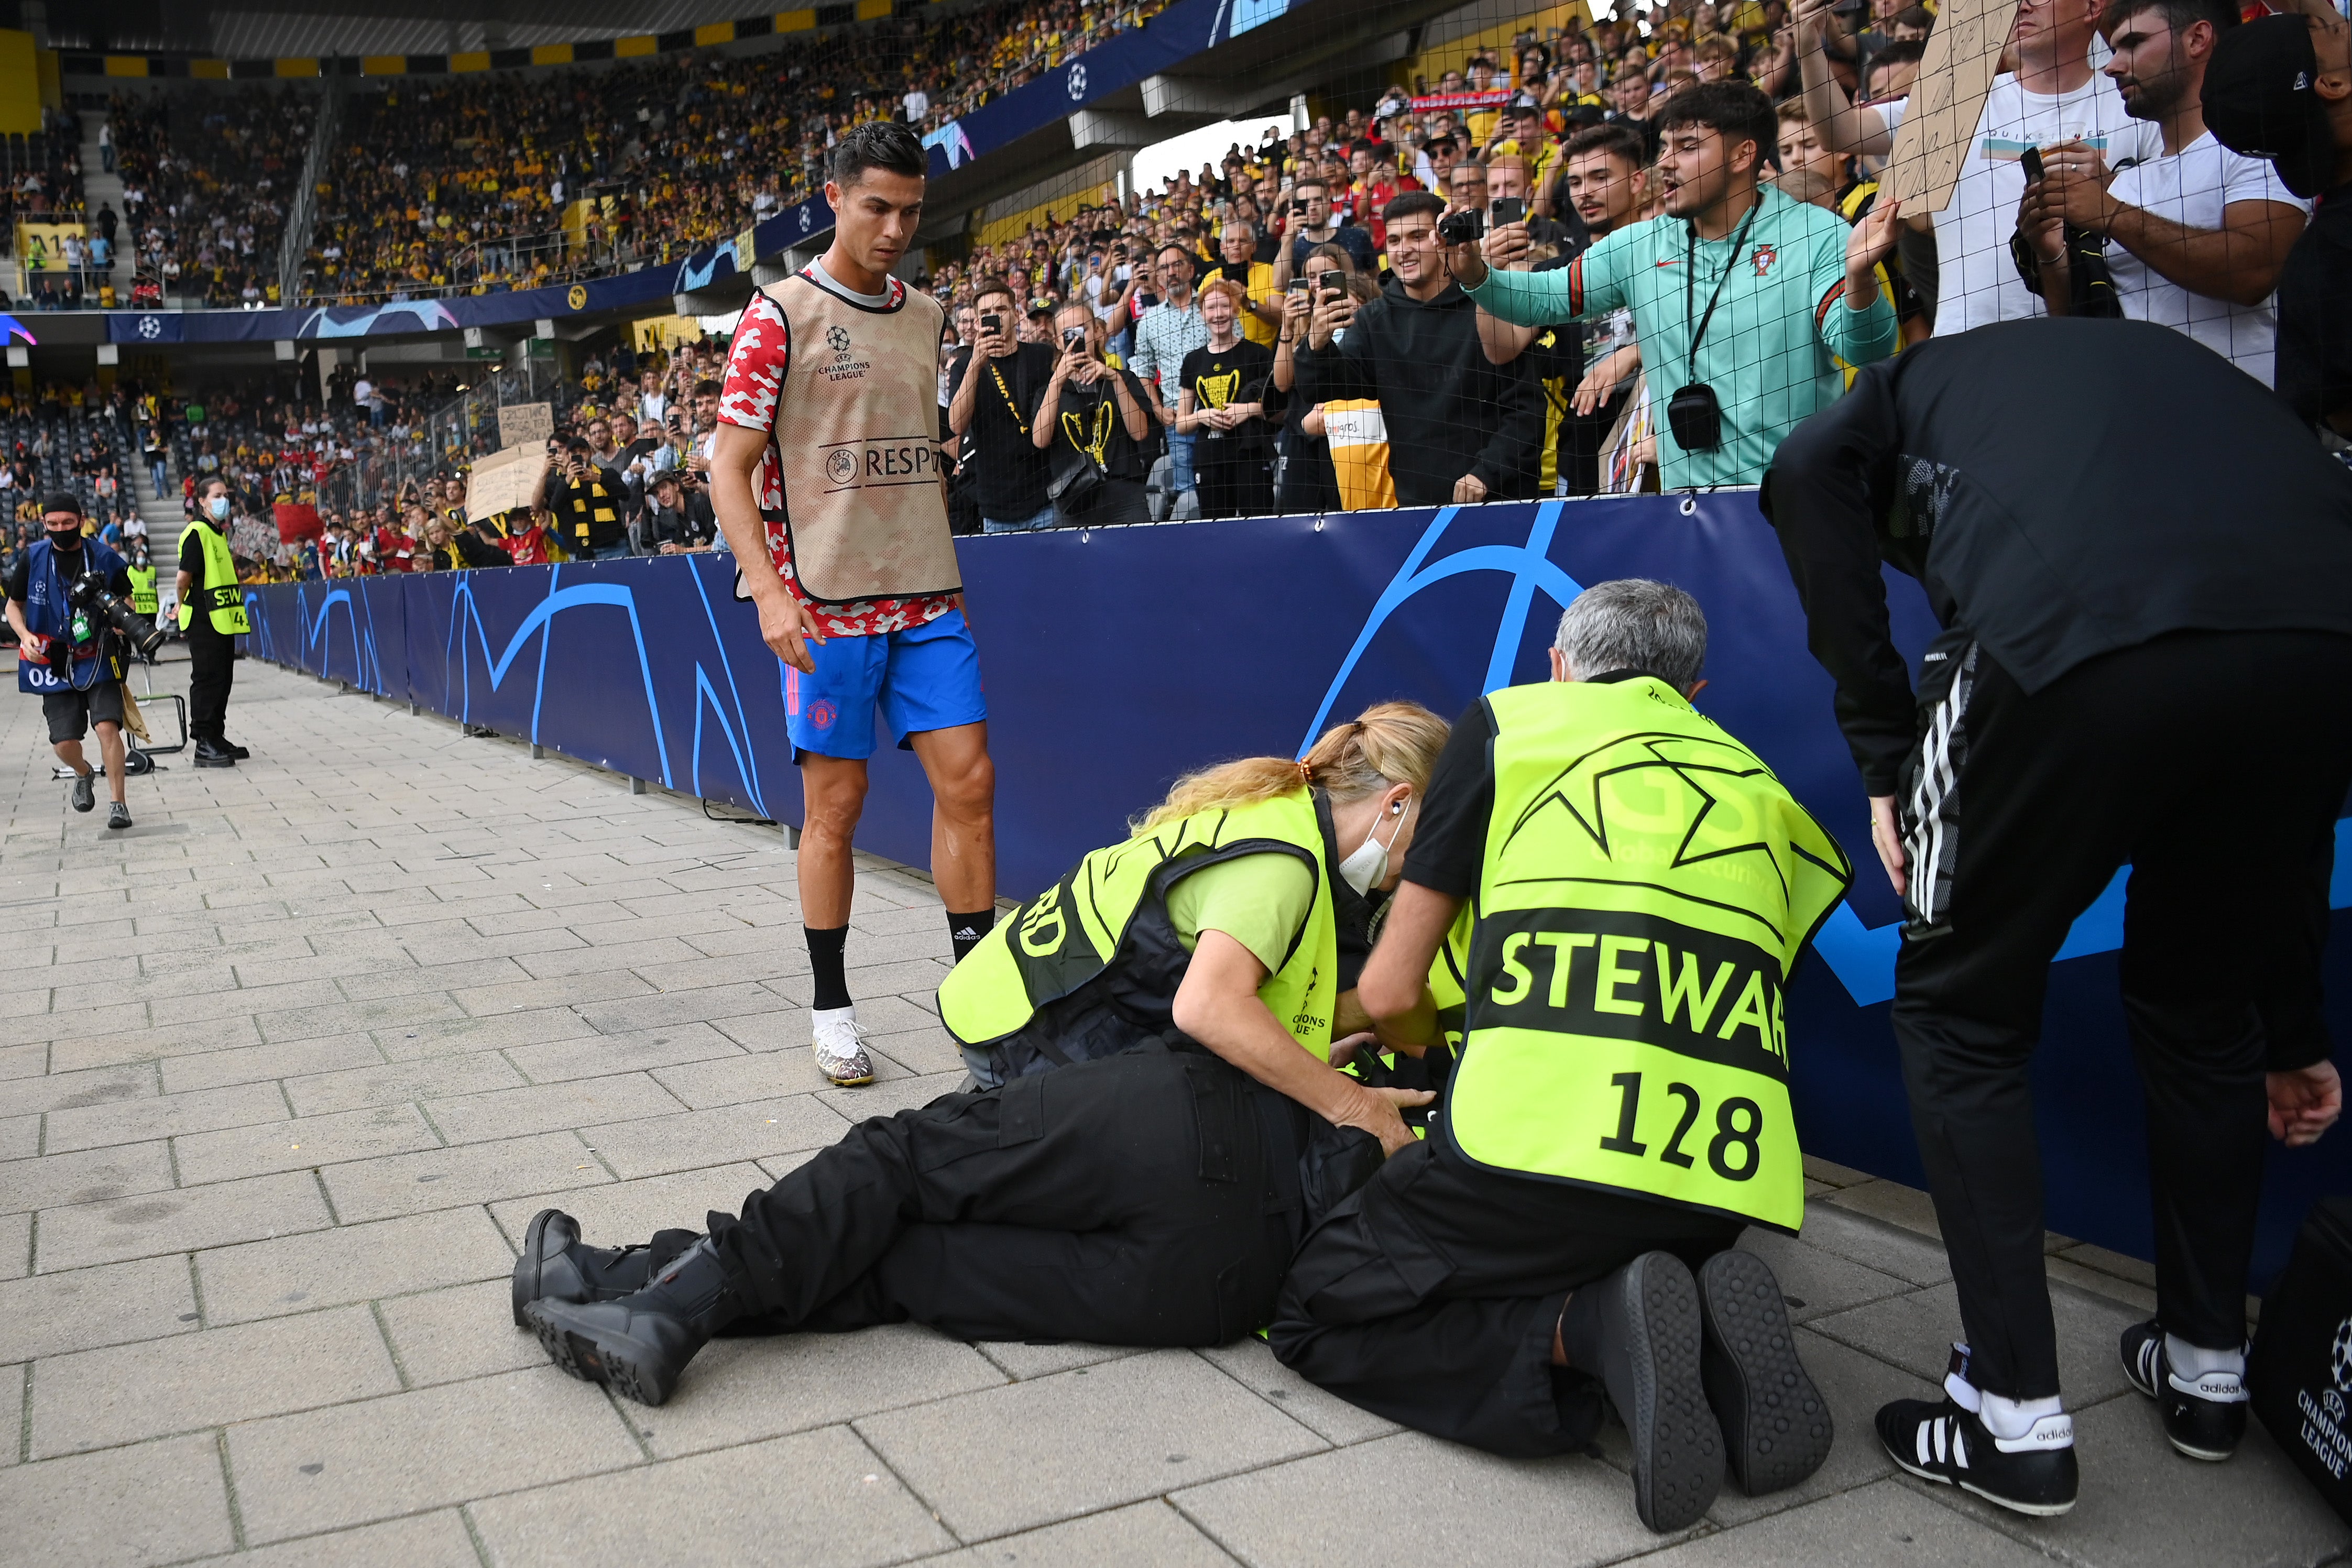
825 958
1582 1333
966 930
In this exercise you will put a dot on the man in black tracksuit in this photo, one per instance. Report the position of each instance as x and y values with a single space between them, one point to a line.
2148 615
1460 428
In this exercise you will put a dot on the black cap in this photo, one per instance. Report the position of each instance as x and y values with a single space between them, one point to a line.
2260 101
63 501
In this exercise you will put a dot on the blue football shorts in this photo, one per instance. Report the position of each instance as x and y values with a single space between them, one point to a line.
923 678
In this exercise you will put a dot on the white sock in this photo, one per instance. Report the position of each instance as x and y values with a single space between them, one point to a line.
2192 1361
1961 1392
2014 1418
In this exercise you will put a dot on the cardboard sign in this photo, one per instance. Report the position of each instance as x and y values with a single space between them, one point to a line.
504 480
1963 55
522 421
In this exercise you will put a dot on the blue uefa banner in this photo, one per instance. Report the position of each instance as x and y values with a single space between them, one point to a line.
1116 660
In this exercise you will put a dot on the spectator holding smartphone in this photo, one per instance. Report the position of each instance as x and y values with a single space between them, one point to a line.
991 389
2194 239
1310 221
1743 306
1460 428
1223 402
1095 424
589 504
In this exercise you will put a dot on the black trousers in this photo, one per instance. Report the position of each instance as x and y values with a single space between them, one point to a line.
1125 1201
2215 763
1429 1297
211 671
1233 475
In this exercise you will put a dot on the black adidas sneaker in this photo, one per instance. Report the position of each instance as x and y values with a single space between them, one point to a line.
2204 1417
1941 1440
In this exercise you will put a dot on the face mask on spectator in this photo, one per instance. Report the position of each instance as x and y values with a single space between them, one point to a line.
217 505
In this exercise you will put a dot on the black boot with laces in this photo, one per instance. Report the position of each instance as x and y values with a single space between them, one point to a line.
639 1345
557 1265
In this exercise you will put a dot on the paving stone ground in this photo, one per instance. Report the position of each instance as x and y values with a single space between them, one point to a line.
286 1069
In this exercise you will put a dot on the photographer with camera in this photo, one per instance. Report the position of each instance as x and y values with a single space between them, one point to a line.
81 681
212 611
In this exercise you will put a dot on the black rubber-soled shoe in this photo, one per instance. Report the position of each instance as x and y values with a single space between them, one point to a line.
1776 1426
118 814
85 791
1936 1440
557 1265
1649 1321
2204 1417
638 1345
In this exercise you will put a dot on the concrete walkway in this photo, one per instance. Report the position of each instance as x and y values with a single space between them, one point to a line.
288 1066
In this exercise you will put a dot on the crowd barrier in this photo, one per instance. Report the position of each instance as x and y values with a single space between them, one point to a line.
1116 659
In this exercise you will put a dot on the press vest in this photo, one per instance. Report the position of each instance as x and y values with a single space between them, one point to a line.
219 590
1089 968
143 590
1648 886
855 446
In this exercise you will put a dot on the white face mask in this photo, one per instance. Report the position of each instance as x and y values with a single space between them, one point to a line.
217 505
1367 867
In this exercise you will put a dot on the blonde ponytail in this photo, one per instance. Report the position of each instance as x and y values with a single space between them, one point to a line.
1391 743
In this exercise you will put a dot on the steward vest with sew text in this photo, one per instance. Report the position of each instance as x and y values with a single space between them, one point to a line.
223 599
1648 886
1089 968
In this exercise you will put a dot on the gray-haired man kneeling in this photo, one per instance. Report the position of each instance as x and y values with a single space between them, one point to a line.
1642 886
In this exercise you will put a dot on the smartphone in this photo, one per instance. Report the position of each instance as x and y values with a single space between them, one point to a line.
2031 160
1297 208
1147 299
992 322
1071 337
1508 210
1333 288
1300 285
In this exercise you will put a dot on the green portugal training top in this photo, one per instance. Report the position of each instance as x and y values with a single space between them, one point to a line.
1768 350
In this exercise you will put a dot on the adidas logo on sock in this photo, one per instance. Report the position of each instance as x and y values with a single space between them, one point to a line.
966 934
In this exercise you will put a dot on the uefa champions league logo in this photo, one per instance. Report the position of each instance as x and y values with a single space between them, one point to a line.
1078 81
2339 1356
151 328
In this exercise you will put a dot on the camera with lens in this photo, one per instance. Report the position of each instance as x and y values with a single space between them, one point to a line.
91 598
1462 228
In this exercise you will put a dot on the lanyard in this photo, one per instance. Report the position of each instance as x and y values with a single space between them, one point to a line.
1690 277
1010 406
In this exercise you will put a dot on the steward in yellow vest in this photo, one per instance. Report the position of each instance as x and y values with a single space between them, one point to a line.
1163 1124
1638 886
211 615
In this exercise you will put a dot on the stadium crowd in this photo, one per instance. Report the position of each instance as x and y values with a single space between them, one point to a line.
208 181
520 182
1277 331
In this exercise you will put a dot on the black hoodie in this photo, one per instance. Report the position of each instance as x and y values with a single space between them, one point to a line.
1448 410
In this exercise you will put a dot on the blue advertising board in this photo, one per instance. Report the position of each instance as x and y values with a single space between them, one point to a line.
1117 659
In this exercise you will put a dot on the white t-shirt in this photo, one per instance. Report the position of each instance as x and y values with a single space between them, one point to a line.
361 391
917 103
2191 188
1977 281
